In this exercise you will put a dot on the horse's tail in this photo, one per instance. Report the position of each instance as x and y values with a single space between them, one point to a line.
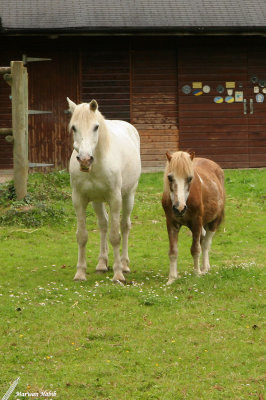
220 218
136 134
221 179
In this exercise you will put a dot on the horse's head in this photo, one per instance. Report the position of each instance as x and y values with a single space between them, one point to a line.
178 177
84 124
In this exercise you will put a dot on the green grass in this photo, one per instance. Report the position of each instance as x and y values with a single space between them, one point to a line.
201 338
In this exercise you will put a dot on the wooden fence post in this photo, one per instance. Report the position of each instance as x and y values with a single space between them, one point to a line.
19 92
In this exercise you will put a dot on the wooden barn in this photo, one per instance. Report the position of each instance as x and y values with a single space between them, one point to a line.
188 74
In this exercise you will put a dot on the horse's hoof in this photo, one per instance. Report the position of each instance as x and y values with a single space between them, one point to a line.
198 273
80 276
101 269
119 281
119 278
172 280
102 266
125 265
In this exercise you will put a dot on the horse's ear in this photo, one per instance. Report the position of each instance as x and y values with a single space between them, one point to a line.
192 154
168 155
93 105
71 105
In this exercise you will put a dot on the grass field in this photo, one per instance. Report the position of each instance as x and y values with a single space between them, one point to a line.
200 339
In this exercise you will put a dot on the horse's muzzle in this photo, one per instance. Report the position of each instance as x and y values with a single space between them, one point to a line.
85 163
179 213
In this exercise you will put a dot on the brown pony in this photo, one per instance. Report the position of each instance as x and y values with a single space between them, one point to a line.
193 196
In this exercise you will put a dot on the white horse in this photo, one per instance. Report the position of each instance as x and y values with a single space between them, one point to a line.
104 167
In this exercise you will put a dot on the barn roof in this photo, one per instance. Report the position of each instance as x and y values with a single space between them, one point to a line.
132 15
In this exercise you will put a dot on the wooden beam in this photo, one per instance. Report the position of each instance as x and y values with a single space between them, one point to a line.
6 131
5 70
19 92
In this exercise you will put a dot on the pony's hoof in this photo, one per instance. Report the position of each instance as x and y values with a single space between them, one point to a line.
204 271
126 269
80 276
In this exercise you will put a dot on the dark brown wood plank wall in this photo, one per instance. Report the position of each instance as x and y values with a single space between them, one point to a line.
154 109
138 80
105 76
215 131
6 149
134 82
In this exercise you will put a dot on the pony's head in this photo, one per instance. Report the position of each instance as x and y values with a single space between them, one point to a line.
85 122
177 179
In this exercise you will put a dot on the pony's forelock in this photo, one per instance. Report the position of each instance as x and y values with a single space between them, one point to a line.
180 165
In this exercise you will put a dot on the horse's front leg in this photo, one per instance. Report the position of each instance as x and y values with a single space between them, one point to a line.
80 205
99 209
128 202
196 248
173 251
114 236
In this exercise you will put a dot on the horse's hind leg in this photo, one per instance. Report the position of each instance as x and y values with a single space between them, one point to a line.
80 206
127 206
206 245
102 215
115 239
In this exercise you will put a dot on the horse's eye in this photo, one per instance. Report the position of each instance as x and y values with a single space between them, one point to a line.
74 128
189 179
170 178
95 128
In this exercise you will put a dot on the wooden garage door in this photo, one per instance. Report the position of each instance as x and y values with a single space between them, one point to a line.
154 109
50 82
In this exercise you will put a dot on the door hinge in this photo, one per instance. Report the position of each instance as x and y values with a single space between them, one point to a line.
27 59
34 165
36 112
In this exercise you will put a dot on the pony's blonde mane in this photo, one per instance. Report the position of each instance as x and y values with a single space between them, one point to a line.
180 165
83 114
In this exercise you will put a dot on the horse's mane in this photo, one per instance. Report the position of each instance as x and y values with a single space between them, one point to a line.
83 114
179 164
